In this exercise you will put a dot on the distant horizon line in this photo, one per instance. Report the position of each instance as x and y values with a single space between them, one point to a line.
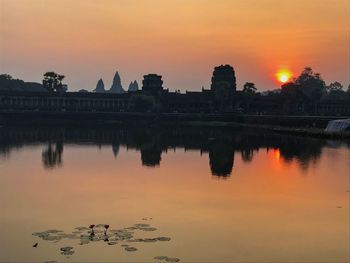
127 83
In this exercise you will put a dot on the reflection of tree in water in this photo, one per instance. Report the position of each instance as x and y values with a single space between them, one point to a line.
247 155
303 150
52 155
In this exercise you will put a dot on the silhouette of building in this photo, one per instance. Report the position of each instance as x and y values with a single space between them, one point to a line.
116 85
133 86
223 77
223 84
152 84
222 97
100 86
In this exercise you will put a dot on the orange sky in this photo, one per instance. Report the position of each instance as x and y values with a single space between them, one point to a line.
182 40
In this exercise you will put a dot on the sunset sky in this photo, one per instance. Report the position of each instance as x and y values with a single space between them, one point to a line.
182 40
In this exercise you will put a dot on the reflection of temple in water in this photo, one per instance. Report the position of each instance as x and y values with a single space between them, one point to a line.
221 158
150 156
219 144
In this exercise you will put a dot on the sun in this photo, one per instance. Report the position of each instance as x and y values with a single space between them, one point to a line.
284 75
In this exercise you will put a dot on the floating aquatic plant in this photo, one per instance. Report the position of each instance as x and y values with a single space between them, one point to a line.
67 251
130 249
102 232
167 259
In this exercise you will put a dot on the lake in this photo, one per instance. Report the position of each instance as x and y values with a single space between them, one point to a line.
172 193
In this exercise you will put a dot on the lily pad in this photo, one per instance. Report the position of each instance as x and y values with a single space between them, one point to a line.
167 259
172 260
84 242
148 229
131 249
41 234
67 251
149 240
53 231
161 257
141 225
51 238
163 238
82 228
86 236
66 248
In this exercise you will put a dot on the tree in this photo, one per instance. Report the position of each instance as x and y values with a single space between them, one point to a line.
335 87
5 77
249 87
53 82
9 83
312 84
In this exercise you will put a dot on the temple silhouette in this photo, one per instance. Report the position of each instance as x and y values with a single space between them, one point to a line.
222 97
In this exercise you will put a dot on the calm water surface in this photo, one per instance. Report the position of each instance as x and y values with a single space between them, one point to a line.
220 195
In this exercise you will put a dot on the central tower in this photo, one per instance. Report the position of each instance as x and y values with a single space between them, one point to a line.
223 86
223 77
152 83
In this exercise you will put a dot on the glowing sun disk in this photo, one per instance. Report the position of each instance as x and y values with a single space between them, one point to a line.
284 76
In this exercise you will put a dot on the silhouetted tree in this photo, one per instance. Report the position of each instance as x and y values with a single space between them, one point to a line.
249 91
7 82
304 93
335 87
249 87
312 85
53 82
5 77
293 94
247 155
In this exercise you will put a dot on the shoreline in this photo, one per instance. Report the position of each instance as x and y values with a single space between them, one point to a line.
311 126
306 132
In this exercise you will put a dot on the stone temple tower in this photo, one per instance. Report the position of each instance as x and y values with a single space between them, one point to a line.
152 83
223 75
223 85
116 85
100 87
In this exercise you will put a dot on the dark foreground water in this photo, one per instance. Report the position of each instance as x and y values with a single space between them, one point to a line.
189 194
